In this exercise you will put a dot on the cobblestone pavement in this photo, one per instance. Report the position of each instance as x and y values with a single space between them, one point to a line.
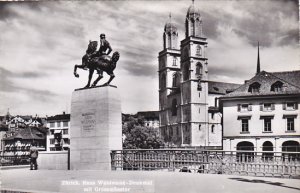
25 180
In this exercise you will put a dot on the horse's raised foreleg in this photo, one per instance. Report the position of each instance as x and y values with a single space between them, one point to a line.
90 78
75 71
100 72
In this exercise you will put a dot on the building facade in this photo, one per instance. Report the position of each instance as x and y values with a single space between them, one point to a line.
263 114
151 118
187 110
19 143
58 137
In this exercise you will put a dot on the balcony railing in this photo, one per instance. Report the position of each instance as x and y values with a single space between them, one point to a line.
275 164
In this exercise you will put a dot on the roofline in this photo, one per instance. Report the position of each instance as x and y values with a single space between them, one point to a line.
259 96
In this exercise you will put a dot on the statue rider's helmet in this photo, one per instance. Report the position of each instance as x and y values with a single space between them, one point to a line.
102 36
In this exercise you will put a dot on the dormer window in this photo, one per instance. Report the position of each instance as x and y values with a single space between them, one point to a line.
277 86
254 87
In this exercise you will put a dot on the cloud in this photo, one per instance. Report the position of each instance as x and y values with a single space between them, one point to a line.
41 41
8 85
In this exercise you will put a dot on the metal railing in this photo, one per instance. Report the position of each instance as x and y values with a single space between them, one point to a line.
275 164
7 160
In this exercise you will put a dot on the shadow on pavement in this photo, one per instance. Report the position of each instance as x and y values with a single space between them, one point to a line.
264 182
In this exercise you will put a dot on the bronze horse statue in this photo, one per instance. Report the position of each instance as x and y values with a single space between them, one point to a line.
99 63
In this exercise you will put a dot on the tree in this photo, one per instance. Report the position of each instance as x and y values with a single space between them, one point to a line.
137 136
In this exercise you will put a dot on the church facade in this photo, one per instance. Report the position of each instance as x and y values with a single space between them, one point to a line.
188 111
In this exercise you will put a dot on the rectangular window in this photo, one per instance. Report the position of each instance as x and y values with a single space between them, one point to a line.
244 107
245 125
290 106
51 141
290 124
267 125
58 124
52 124
65 124
66 141
65 131
52 131
267 107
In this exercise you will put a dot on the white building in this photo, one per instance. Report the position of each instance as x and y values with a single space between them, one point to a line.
187 110
58 137
263 114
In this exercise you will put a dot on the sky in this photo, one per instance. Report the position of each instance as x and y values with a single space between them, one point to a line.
40 42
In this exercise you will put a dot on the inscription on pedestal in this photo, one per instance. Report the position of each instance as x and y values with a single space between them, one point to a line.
88 124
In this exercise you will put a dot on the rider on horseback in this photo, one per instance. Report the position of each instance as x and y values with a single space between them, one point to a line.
99 61
104 46
101 53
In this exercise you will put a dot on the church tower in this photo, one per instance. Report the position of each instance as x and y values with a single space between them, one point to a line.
194 85
169 74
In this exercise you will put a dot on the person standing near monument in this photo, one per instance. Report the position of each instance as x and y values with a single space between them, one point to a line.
33 156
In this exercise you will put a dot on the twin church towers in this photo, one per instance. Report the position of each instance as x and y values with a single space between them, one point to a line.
186 117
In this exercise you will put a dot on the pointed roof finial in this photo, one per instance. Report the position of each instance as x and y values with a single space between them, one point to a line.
170 17
258 60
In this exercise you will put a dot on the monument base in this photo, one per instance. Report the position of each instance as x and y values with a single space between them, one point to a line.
96 128
53 160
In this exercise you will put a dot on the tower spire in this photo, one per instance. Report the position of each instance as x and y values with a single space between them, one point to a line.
258 60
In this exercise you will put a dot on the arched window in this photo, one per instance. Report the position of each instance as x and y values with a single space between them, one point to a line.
174 107
199 69
192 27
243 155
291 146
163 81
254 87
169 40
245 146
174 61
267 146
175 79
277 86
198 50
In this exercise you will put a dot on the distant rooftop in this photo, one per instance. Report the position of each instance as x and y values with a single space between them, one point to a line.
289 81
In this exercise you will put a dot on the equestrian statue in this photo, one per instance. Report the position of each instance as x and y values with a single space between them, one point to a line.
99 61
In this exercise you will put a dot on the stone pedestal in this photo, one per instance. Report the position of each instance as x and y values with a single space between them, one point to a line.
96 128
